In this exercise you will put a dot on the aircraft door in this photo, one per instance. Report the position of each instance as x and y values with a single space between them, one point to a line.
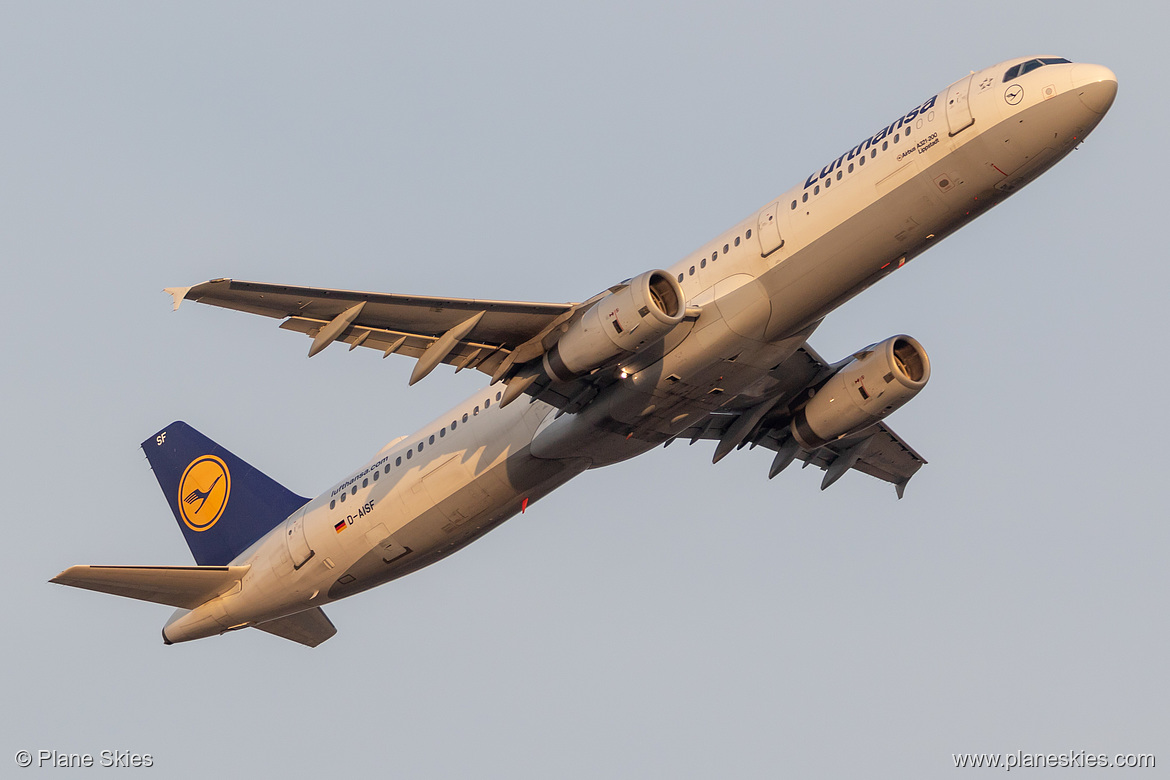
768 230
294 537
959 116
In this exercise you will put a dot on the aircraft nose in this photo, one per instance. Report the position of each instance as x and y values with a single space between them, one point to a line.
1095 85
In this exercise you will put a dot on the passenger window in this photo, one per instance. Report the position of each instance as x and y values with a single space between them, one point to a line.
442 432
748 234
353 490
409 454
420 446
487 403
366 482
432 439
703 263
714 256
828 182
333 503
804 198
343 498
737 240
725 248
839 175
692 271
817 190
465 417
873 153
794 205
387 469
896 137
453 424
680 277
499 396
861 160
850 170
476 409
885 145
398 460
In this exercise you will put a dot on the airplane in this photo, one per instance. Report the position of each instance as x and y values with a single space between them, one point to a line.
713 348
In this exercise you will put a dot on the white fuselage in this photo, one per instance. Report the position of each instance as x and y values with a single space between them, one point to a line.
762 286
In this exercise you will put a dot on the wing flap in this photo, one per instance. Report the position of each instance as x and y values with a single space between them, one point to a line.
177 586
471 354
405 324
885 456
309 628
504 322
876 451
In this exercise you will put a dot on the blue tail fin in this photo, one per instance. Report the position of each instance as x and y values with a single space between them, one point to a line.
221 503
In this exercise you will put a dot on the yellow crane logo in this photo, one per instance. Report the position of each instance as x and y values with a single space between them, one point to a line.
203 492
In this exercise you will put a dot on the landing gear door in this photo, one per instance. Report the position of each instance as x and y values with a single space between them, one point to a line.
294 537
959 116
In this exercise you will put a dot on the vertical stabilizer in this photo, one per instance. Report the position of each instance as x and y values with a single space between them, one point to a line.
221 503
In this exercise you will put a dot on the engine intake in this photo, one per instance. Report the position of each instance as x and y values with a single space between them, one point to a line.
623 322
877 381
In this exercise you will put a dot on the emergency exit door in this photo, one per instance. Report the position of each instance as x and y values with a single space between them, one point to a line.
768 230
294 536
959 116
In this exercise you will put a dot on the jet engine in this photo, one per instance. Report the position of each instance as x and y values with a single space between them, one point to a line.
623 322
873 383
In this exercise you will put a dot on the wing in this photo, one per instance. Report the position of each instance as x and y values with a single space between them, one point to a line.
876 451
489 336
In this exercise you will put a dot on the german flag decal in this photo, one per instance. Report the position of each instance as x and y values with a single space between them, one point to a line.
339 527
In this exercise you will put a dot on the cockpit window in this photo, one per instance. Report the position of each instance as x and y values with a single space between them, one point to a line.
1026 67
1030 66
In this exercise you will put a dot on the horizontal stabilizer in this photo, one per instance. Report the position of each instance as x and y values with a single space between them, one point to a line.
178 586
310 627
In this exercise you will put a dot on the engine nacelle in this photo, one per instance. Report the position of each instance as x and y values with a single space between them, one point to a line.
878 380
623 322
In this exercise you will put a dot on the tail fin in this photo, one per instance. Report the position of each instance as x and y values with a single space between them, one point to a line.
221 503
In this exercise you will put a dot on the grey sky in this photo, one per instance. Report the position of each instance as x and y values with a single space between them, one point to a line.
663 618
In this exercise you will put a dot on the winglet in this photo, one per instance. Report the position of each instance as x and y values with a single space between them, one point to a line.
178 293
